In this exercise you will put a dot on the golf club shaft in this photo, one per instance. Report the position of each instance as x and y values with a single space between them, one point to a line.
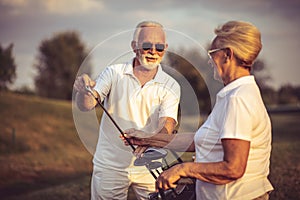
110 117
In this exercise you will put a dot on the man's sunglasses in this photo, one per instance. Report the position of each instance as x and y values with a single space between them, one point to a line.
147 46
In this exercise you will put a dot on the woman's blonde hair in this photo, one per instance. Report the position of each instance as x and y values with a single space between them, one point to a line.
242 37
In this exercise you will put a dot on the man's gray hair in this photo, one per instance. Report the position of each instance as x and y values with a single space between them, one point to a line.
142 25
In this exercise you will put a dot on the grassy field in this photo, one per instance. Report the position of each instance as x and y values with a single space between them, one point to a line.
42 157
285 158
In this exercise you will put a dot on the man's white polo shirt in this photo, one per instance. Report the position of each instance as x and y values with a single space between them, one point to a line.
132 106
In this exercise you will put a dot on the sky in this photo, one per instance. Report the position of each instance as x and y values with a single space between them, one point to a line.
25 23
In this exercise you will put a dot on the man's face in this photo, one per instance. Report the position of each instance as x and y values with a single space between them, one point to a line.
151 47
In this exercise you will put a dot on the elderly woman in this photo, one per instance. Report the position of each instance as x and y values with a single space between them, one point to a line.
233 145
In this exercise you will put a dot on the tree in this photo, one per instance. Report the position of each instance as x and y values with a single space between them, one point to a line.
59 59
190 72
195 68
268 93
7 67
259 70
287 94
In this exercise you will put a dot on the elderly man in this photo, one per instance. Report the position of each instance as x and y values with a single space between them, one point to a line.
137 94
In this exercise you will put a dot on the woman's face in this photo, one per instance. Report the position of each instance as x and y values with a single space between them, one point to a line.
215 55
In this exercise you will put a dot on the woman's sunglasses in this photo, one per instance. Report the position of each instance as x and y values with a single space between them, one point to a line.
147 46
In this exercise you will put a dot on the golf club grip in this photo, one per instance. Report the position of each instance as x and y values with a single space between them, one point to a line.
115 123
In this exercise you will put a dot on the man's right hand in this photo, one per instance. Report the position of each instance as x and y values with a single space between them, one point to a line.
85 100
81 82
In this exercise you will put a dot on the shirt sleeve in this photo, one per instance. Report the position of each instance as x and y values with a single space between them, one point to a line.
237 123
170 102
104 82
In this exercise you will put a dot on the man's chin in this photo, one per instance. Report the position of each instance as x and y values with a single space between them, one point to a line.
150 66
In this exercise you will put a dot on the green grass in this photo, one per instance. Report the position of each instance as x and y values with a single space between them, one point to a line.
285 158
42 157
40 150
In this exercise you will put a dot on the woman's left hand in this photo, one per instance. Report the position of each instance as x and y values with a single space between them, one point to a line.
168 178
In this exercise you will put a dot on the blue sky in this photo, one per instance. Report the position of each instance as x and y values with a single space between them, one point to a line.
27 22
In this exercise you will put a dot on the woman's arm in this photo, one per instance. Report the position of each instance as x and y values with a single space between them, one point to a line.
231 168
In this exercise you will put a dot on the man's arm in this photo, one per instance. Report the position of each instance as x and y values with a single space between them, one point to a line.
166 125
84 100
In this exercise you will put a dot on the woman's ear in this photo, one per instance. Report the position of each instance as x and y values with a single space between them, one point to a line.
228 53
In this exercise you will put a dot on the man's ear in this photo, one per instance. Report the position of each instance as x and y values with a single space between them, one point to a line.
166 46
134 46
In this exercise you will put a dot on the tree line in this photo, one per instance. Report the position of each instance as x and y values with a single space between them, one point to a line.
60 57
